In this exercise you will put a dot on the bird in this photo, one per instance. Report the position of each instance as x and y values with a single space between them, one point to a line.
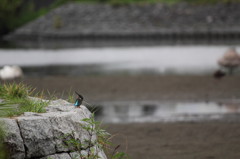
230 60
219 74
10 72
79 100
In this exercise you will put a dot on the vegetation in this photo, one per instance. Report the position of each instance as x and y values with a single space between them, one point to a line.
16 100
14 13
90 148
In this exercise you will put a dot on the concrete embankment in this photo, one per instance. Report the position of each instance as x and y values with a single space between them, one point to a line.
149 21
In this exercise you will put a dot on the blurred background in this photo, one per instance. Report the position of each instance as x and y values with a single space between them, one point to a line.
162 74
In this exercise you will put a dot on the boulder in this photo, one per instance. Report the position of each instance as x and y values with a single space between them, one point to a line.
13 139
44 135
58 156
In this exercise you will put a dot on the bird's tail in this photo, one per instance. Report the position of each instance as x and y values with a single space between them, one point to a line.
80 96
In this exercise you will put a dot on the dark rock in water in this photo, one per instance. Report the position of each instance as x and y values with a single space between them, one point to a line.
219 74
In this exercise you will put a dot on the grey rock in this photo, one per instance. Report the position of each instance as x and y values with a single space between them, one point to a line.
84 153
75 154
31 114
59 102
58 156
37 135
13 138
42 135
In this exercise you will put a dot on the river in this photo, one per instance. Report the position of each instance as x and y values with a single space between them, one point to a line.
157 59
144 60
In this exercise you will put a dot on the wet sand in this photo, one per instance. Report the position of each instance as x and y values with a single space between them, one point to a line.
179 140
150 87
200 140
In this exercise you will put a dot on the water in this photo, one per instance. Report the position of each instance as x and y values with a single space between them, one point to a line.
155 59
155 111
134 60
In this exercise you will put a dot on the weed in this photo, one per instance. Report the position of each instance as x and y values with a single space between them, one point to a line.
71 97
57 22
90 148
11 91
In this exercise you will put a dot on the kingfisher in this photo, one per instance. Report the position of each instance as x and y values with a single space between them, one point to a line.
79 100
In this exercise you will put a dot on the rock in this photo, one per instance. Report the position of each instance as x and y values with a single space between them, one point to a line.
77 154
13 140
58 156
44 135
59 102
74 155
37 135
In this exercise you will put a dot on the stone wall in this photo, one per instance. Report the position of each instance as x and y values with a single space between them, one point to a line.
83 21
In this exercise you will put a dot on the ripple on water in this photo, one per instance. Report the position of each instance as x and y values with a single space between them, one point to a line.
155 111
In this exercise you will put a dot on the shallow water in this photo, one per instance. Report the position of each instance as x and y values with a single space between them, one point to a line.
155 59
155 111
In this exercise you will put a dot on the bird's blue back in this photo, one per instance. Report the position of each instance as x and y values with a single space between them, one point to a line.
76 103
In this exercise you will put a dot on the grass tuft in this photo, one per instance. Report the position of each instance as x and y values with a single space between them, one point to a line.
12 91
16 100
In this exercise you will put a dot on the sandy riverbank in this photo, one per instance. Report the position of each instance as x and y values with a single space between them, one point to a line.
179 140
151 87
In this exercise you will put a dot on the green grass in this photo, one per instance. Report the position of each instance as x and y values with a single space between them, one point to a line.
17 101
17 13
